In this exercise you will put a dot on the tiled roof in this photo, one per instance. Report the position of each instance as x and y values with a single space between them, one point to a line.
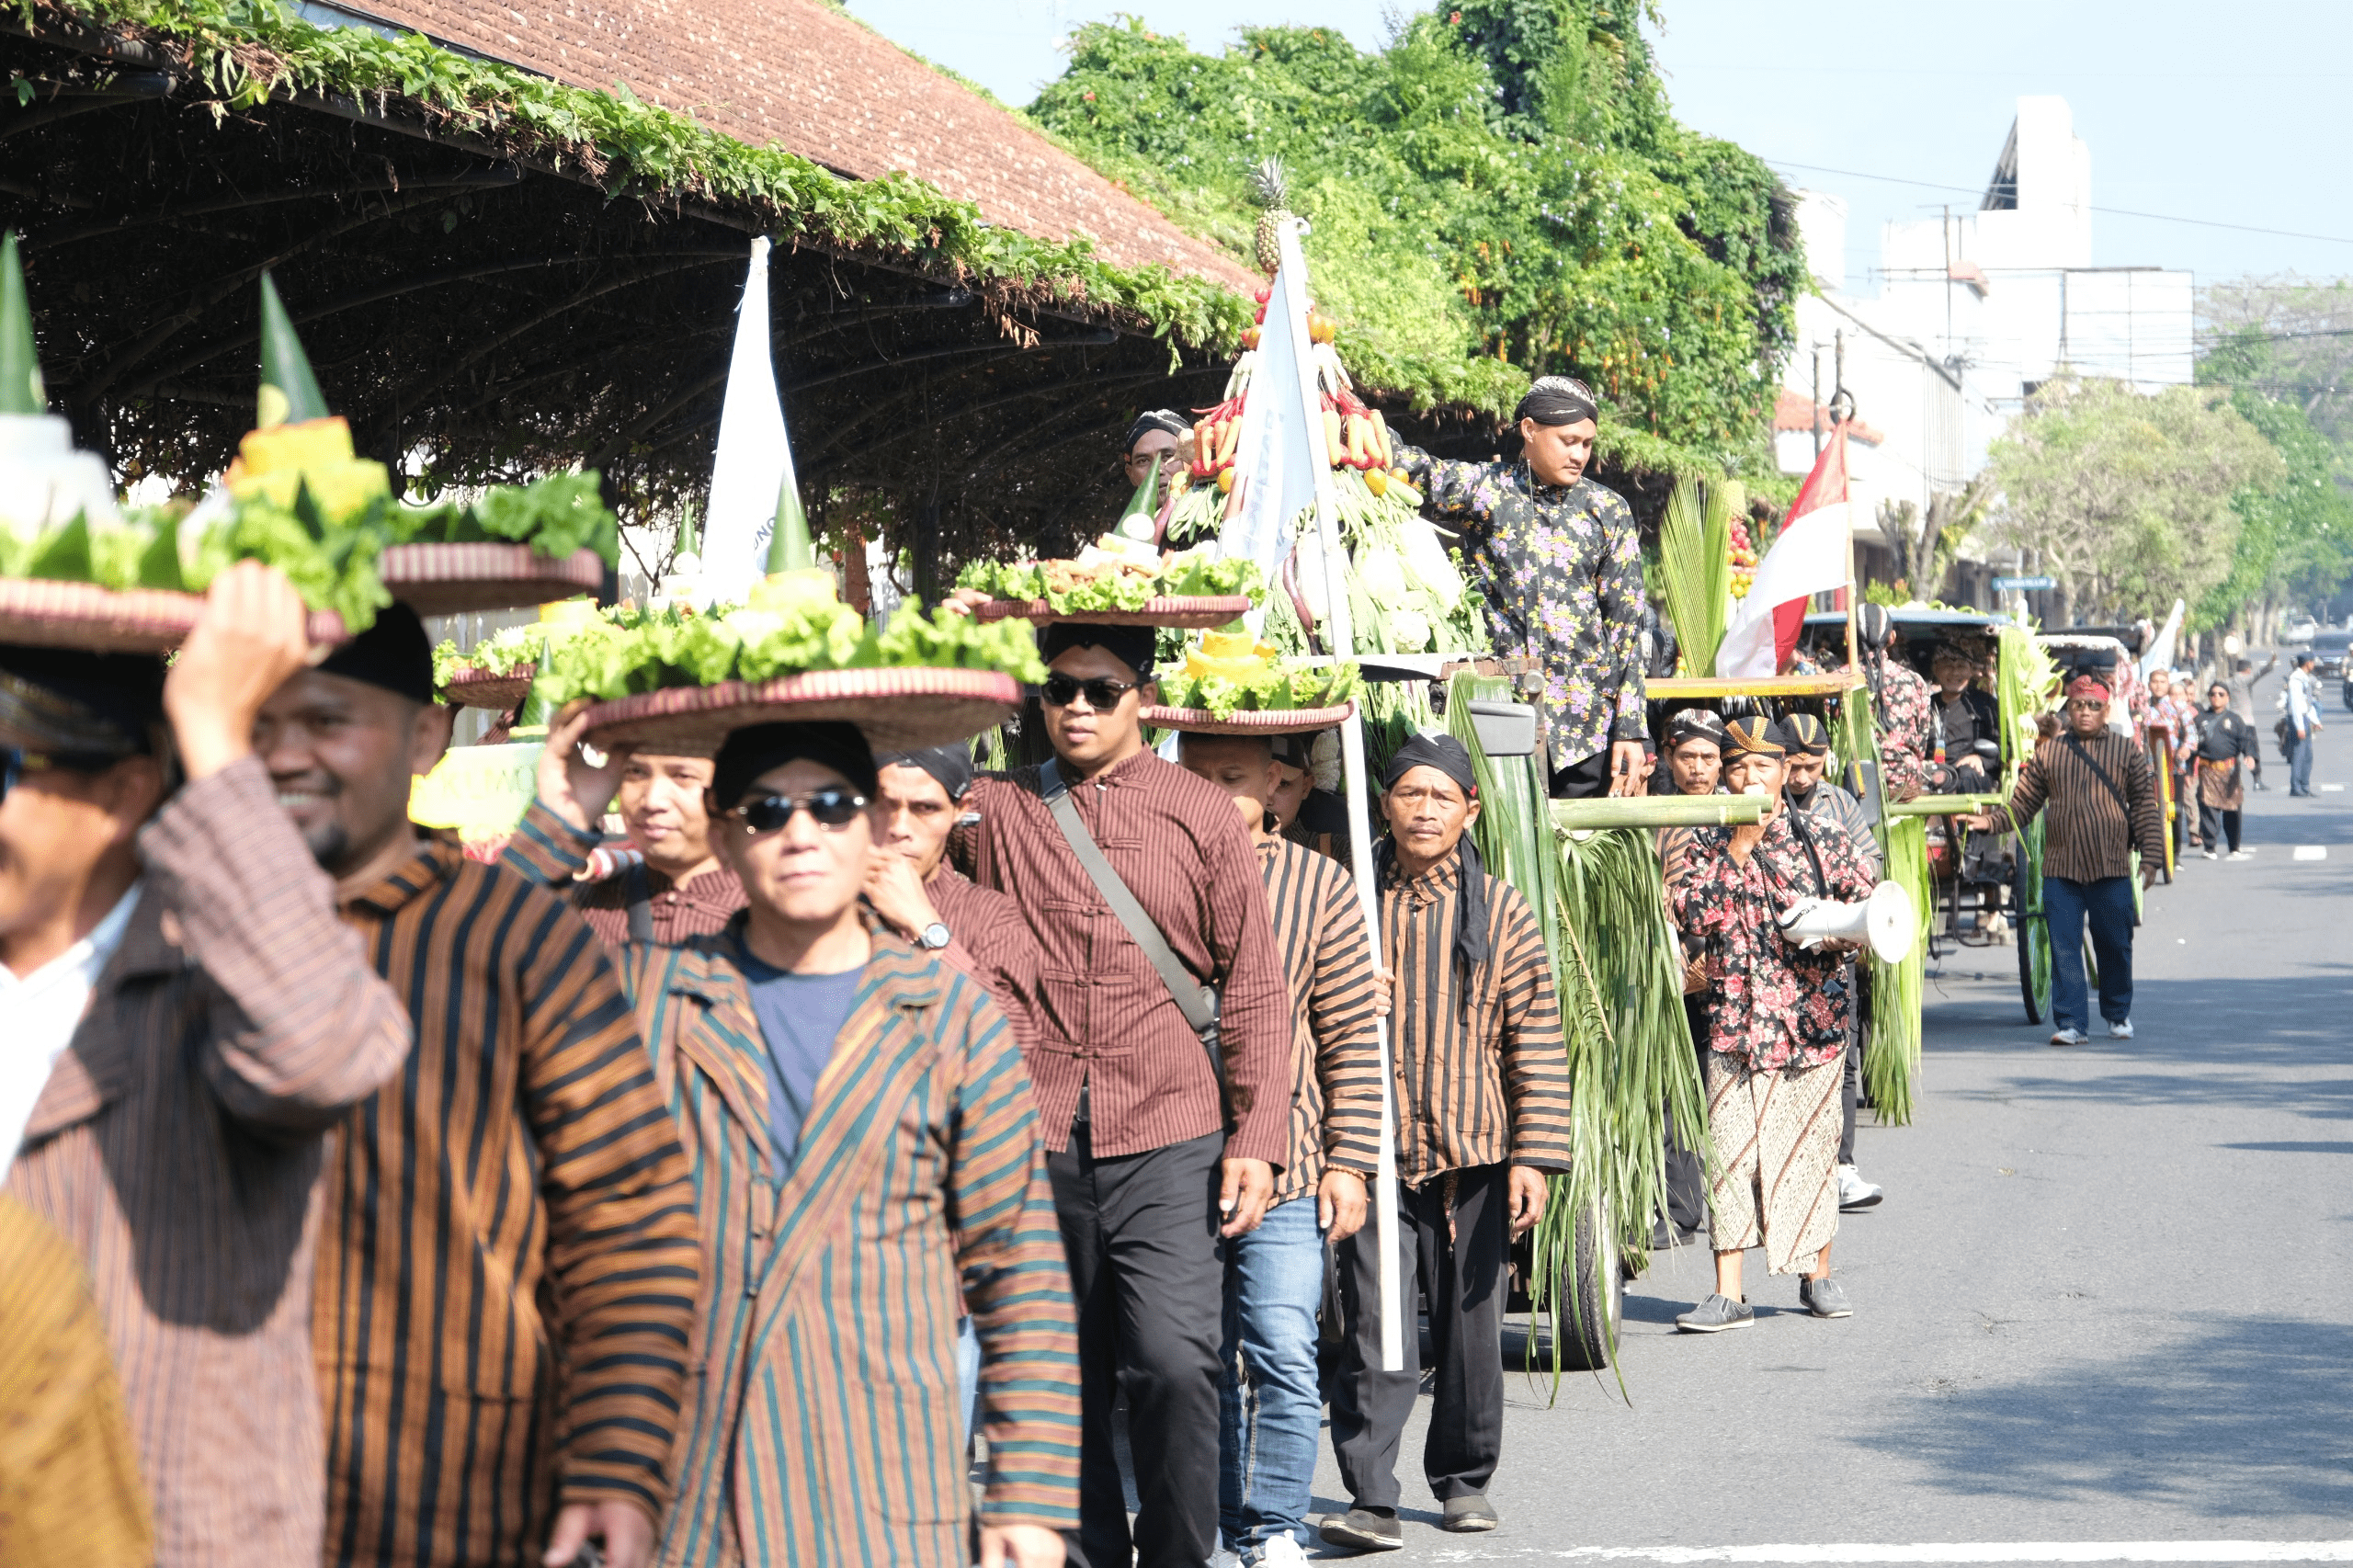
805 76
1795 410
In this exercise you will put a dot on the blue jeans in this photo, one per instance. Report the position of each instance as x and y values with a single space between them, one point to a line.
2300 763
2108 904
1270 1409
968 1378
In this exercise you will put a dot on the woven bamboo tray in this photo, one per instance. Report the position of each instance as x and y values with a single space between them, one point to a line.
108 621
490 688
455 579
901 710
1192 612
1255 722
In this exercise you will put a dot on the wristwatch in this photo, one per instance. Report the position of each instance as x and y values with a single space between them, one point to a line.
933 937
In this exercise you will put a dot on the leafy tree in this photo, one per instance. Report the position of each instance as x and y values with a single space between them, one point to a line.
2127 499
1500 192
2295 537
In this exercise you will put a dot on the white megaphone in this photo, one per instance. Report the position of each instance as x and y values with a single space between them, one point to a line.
1886 920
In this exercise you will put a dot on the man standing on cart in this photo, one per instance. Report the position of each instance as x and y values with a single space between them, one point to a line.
1560 564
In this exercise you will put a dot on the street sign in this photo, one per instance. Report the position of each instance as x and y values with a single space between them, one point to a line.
2004 585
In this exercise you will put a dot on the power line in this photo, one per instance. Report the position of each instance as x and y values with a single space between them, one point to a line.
2111 211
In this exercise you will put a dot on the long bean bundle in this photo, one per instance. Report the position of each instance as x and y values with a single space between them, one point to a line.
1892 1055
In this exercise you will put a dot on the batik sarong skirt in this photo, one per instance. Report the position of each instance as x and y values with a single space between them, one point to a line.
1776 1152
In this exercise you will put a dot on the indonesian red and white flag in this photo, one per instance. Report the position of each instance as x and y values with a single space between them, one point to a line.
1808 557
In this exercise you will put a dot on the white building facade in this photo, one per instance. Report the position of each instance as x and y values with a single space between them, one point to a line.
1971 312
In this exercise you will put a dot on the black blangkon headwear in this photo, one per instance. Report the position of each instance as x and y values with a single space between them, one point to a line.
393 653
951 765
758 748
1166 420
1557 400
1450 757
1131 645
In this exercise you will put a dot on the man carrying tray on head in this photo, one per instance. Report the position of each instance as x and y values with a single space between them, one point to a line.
1559 562
868 1161
1163 1147
188 1022
1270 1402
1482 1117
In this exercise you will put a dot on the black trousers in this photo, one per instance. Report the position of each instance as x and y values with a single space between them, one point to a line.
2218 824
1461 1284
1849 1095
1148 1271
1586 780
1686 1169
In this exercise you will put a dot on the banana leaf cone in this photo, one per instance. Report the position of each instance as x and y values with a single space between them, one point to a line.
538 713
289 393
789 546
20 388
1139 520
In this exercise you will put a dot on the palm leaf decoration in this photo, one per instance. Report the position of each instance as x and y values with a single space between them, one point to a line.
1694 568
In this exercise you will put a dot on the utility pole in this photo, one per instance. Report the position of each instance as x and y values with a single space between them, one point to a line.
1948 231
1817 401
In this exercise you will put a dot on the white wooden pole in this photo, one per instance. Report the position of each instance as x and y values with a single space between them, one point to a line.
1341 637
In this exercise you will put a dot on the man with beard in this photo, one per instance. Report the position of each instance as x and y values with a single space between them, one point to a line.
1558 563
508 1268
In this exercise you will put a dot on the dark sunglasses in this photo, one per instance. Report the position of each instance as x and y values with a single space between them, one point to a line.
16 762
1061 690
833 809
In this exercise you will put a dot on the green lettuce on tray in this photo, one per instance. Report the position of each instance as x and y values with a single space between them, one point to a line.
777 634
1100 580
1232 673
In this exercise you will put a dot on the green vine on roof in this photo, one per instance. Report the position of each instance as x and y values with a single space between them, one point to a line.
1501 192
244 51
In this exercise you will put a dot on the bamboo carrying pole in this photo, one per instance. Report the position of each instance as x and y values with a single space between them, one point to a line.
1659 811
1292 278
1943 805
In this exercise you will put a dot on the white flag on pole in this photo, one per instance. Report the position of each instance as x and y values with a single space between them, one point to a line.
753 459
1275 462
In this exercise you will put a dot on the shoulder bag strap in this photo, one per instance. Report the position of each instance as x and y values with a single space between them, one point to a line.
1193 1000
2100 773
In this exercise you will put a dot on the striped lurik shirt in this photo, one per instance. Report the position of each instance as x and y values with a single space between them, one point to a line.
991 943
1336 1039
2089 831
178 1145
822 1423
675 910
1104 1017
1483 1070
524 1163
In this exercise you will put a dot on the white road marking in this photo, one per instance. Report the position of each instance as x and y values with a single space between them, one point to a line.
2332 789
1964 1552
2312 851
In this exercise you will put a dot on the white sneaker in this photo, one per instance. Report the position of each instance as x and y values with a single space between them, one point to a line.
1282 1551
2122 1029
2242 854
2070 1037
1854 1192
2210 855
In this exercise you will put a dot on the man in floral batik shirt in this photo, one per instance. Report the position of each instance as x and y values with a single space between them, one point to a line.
1560 565
1776 1020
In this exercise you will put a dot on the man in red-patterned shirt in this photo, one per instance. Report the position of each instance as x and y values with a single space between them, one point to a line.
1152 1166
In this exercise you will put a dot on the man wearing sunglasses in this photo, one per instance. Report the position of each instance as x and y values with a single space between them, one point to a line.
507 1258
868 1162
2101 792
186 1021
1157 1153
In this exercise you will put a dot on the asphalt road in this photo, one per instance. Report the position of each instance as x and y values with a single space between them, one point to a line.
2108 1299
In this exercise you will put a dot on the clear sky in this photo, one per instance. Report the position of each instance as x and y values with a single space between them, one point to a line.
2228 114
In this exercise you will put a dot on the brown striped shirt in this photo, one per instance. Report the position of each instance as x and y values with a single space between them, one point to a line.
1336 1036
1105 1016
676 911
2089 831
1482 1070
178 1145
69 1491
508 1274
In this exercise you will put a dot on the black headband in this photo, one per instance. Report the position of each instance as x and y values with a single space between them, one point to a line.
1695 725
1131 645
1167 421
393 653
1557 400
748 753
952 766
1442 751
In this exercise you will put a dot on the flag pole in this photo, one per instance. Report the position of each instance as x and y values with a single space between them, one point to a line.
1854 591
1291 279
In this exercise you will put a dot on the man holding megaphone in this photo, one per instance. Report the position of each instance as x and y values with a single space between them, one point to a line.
1769 910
